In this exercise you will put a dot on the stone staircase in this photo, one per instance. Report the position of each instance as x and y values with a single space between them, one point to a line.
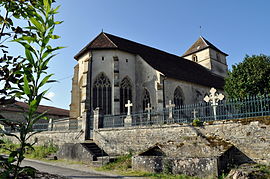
100 157
103 160
87 152
94 149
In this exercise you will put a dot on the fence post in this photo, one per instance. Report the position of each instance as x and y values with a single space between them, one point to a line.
50 125
97 123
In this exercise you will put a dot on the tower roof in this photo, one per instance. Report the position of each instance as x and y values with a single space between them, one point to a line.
201 44
170 65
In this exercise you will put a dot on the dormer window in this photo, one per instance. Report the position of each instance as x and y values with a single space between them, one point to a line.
194 58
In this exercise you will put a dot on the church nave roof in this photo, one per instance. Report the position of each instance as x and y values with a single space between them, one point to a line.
170 65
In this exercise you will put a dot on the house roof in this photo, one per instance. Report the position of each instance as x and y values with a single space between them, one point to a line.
22 107
170 65
199 45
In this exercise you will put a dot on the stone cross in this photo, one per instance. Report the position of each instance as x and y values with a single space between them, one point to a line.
170 106
128 105
148 109
214 98
194 112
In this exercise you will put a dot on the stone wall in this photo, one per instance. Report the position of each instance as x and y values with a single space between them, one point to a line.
56 137
250 137
201 167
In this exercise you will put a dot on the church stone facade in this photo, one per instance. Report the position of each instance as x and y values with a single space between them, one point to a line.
112 70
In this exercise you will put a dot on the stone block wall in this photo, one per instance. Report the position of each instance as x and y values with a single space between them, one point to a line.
151 164
252 138
58 138
76 152
202 167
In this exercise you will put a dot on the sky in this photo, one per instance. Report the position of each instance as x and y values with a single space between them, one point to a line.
236 27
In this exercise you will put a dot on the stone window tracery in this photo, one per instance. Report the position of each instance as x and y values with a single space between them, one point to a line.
146 99
178 97
125 94
102 93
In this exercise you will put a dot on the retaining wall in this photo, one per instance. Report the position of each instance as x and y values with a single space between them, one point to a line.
56 137
250 137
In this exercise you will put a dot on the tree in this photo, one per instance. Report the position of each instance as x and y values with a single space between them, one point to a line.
10 65
250 77
32 78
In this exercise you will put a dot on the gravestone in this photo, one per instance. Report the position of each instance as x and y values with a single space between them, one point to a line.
128 119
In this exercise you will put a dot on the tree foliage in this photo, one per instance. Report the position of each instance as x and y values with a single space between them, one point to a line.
250 77
11 13
31 77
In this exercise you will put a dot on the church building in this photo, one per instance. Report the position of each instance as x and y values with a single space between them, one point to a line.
112 70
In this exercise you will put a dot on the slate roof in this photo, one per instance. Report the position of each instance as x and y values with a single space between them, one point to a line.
199 45
170 65
21 107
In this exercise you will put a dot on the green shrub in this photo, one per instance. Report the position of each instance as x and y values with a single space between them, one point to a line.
41 152
197 122
121 163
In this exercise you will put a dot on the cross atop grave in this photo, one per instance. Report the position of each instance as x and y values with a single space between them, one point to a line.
128 106
170 106
214 98
148 109
194 112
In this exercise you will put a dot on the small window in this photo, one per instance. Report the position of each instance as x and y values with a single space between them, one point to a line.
194 58
126 60
217 56
102 58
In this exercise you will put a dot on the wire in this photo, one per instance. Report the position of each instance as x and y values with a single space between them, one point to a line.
67 77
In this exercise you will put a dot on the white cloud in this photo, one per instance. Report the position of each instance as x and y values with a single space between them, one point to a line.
50 95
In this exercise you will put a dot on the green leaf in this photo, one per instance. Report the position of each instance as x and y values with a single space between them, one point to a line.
27 46
56 10
29 56
55 37
11 135
44 80
33 106
58 22
47 6
38 25
36 118
26 88
49 51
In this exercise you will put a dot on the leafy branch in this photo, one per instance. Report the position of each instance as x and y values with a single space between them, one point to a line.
38 54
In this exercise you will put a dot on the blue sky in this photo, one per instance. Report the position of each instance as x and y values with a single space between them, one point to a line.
236 27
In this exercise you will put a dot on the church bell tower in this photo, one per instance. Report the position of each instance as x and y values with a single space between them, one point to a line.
206 54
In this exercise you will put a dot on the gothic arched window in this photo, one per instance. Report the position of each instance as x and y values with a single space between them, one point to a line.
178 97
146 99
125 94
102 93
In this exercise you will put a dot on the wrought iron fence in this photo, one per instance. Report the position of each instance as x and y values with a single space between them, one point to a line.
54 125
252 106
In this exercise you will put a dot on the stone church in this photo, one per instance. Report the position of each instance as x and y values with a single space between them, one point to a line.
112 70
